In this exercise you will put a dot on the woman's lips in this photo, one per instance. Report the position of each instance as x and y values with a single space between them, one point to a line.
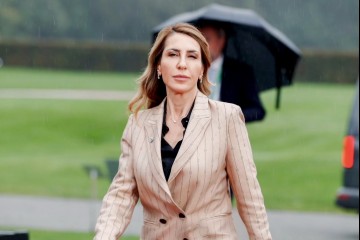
181 77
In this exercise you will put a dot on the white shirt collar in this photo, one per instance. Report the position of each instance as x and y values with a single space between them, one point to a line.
216 64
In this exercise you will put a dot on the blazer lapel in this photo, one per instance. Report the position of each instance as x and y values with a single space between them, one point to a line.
199 121
153 127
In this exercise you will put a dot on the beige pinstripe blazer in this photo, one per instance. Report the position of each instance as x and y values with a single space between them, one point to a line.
195 202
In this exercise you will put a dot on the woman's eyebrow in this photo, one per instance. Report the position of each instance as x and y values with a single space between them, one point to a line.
178 50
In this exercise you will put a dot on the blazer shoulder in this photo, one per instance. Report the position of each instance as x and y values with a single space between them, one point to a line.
228 107
147 114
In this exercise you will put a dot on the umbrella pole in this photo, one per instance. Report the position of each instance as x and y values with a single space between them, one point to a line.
278 87
277 103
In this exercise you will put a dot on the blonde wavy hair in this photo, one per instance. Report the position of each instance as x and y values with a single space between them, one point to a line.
152 90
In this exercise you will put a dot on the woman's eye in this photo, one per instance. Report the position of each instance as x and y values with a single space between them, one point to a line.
172 54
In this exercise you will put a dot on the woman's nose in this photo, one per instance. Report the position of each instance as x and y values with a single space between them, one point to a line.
182 62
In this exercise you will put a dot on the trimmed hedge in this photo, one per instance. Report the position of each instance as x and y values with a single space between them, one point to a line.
314 66
75 55
334 67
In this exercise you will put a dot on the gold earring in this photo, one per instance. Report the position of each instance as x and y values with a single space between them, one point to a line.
200 78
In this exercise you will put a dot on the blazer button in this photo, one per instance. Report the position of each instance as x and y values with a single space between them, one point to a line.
181 215
163 221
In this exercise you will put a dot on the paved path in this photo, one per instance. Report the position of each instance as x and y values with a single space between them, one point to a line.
80 215
71 94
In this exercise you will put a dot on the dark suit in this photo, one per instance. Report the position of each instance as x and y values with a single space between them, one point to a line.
238 86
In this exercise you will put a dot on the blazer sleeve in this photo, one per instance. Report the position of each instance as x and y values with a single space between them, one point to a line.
120 200
243 178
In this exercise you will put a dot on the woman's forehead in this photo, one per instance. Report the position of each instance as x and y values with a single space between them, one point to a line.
181 41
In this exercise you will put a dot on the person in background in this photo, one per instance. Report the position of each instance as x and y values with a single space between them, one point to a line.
234 81
180 149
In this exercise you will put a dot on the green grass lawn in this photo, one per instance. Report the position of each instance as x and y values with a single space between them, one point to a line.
45 144
298 148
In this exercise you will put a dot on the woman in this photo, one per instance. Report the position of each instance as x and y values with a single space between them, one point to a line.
180 150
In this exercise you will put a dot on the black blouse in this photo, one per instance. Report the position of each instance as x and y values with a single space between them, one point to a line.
168 154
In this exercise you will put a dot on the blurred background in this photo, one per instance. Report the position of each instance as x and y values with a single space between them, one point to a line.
317 25
68 69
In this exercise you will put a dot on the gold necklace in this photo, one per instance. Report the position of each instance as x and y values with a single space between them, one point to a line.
172 117
173 120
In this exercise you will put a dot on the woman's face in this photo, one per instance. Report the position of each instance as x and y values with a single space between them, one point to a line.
180 64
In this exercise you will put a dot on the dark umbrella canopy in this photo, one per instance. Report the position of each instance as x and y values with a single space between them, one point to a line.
250 39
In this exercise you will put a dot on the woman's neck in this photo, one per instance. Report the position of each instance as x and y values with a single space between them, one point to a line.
179 105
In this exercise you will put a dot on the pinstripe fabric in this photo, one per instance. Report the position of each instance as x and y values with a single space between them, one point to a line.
215 149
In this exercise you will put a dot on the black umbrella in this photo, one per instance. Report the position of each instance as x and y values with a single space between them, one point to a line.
250 39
